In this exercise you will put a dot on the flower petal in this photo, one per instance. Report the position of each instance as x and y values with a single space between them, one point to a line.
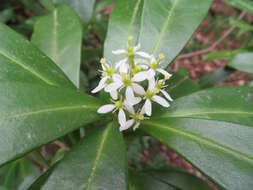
127 125
119 51
117 65
136 125
151 84
143 54
129 107
130 98
139 77
113 86
124 68
121 117
165 73
114 94
160 101
136 48
106 108
101 85
138 89
148 107
166 95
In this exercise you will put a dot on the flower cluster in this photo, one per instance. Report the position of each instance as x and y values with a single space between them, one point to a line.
125 82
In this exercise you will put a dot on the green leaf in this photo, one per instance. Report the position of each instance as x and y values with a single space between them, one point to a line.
124 21
6 15
181 85
141 181
84 8
224 54
59 36
19 175
244 26
167 25
242 62
172 178
98 162
246 5
48 4
216 77
213 130
21 61
32 115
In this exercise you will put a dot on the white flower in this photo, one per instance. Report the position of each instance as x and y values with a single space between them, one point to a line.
124 81
119 105
135 122
151 95
107 74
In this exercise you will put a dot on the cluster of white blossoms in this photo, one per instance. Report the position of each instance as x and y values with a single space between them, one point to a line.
125 84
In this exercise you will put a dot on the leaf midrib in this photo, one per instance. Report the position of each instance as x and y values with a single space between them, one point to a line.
205 141
164 27
171 115
4 54
63 108
98 156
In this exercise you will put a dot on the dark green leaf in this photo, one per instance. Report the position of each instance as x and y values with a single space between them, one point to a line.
242 62
181 85
215 77
167 25
246 5
98 162
213 130
6 15
48 4
19 175
178 178
32 115
141 181
124 21
84 8
59 36
21 61
169 178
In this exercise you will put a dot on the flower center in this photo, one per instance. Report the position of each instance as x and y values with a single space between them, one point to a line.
110 71
149 94
126 80
119 104
136 69
138 117
109 81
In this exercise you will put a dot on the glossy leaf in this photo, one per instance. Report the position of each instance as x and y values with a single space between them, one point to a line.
59 36
242 62
167 25
246 5
216 77
21 61
32 115
124 21
213 130
98 162
84 8
19 175
181 85
169 178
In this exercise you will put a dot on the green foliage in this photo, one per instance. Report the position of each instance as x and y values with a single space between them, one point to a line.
59 36
40 101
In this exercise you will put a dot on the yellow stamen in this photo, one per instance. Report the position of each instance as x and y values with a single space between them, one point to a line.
102 61
161 56
130 38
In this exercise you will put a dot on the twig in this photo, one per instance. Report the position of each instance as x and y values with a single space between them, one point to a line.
214 45
61 145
